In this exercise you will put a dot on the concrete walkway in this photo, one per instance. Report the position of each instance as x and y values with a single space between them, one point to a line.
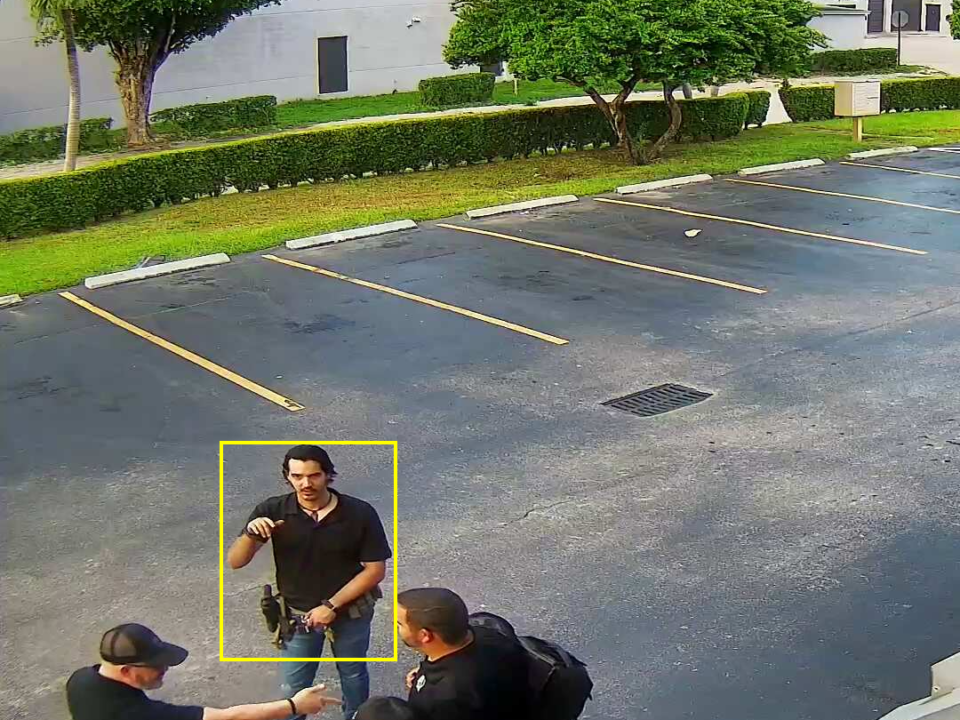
936 52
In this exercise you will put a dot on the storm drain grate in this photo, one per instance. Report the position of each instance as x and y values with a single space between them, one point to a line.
658 400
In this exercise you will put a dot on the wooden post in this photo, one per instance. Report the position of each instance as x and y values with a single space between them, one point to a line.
858 129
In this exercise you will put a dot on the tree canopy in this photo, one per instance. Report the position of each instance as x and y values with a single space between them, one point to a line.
595 43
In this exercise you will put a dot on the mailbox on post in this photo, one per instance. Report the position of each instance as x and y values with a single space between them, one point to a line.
856 99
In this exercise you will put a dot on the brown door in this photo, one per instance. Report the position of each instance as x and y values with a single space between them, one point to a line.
875 18
913 9
933 18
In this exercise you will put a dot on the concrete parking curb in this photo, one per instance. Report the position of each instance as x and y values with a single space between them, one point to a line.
517 207
658 184
8 300
795 165
885 151
168 268
352 234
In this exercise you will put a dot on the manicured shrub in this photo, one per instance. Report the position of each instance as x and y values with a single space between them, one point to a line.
853 61
454 90
925 94
804 103
46 143
240 114
759 107
60 202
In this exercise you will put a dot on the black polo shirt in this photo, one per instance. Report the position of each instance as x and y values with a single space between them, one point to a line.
91 696
314 560
486 680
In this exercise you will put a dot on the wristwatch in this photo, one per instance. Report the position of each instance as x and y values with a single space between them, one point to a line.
327 603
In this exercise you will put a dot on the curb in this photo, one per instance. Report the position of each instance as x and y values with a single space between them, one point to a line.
516 207
355 233
125 276
795 165
878 153
8 300
657 184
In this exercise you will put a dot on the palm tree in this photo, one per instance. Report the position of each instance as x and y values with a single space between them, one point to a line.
59 13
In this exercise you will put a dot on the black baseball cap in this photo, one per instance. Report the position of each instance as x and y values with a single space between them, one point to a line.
133 644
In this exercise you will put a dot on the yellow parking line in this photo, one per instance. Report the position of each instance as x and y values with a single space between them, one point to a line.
420 299
765 226
605 258
253 387
846 195
900 169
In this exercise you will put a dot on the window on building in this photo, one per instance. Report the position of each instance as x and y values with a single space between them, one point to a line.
332 64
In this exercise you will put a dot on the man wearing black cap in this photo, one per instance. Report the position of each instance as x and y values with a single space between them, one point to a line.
134 660
330 553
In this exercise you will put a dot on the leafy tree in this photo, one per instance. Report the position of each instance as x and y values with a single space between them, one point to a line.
955 19
49 14
595 43
142 34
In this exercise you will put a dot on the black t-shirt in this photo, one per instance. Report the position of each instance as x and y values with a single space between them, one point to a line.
91 696
314 560
486 680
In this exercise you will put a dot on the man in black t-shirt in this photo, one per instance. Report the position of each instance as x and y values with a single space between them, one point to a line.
330 552
134 660
468 673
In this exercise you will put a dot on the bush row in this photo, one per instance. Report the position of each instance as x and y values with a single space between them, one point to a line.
804 103
240 114
453 90
73 200
46 143
855 60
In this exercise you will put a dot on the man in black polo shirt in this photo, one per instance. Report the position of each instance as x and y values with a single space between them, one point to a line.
134 660
330 552
469 673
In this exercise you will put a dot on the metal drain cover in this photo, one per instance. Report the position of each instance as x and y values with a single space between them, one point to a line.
658 400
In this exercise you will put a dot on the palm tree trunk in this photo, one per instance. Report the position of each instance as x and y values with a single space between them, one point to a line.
73 114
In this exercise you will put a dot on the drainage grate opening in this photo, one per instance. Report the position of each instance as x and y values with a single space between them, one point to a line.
658 400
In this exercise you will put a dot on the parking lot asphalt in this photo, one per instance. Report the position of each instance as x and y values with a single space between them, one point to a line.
784 549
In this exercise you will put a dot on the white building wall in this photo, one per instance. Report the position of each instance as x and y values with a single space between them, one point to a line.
845 28
272 52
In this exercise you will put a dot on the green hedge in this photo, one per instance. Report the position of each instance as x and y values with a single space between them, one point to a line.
453 90
926 94
239 114
60 202
855 60
804 103
46 143
759 107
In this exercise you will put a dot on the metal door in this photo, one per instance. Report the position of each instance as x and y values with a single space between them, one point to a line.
933 18
875 18
913 9
332 64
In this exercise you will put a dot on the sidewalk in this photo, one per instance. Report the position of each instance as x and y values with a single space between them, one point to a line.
775 116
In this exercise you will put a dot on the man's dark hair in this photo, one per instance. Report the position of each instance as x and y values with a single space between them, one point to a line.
439 610
306 453
386 708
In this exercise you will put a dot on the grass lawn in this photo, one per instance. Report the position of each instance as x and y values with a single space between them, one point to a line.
246 222
309 112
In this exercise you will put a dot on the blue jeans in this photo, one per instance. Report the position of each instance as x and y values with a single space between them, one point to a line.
351 638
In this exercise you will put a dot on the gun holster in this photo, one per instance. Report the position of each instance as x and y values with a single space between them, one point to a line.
277 616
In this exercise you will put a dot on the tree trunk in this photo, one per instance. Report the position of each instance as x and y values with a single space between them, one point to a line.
687 91
135 83
616 115
676 117
73 113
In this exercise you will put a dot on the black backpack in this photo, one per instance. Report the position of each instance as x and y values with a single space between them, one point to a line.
559 683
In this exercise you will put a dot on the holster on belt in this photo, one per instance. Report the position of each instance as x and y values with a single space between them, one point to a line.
283 622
